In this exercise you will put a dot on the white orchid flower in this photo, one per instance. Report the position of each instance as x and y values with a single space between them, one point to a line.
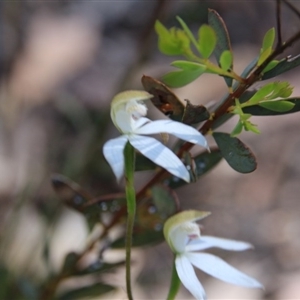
183 236
128 115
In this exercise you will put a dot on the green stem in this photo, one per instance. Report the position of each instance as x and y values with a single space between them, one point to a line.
175 284
129 155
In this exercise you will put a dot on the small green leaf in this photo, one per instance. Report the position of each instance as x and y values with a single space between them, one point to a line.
271 91
263 92
226 60
178 79
272 64
235 152
268 40
264 55
188 65
207 40
187 31
283 66
279 106
251 127
237 129
267 46
167 42
257 110
244 98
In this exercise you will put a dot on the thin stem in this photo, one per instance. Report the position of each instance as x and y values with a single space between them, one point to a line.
292 7
175 284
129 156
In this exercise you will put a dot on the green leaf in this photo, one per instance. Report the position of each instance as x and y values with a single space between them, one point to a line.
163 98
188 65
235 152
264 55
194 114
87 292
272 64
279 106
167 42
283 66
204 162
237 129
269 39
178 79
187 31
207 40
223 41
271 91
267 46
257 110
226 60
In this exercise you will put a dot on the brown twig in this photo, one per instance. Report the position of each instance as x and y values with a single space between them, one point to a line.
292 7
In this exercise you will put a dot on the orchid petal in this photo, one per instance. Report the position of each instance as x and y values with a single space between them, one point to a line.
177 239
182 131
206 242
113 153
218 268
160 155
188 277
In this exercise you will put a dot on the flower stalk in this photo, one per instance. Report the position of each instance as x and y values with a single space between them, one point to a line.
175 283
129 155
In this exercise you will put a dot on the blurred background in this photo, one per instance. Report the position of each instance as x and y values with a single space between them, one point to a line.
61 62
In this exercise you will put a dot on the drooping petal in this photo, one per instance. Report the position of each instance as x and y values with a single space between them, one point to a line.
206 242
188 277
160 155
177 240
218 268
123 121
124 106
178 129
113 153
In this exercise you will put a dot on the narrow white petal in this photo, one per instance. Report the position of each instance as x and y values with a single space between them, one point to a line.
188 277
113 153
206 242
160 155
182 131
218 268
